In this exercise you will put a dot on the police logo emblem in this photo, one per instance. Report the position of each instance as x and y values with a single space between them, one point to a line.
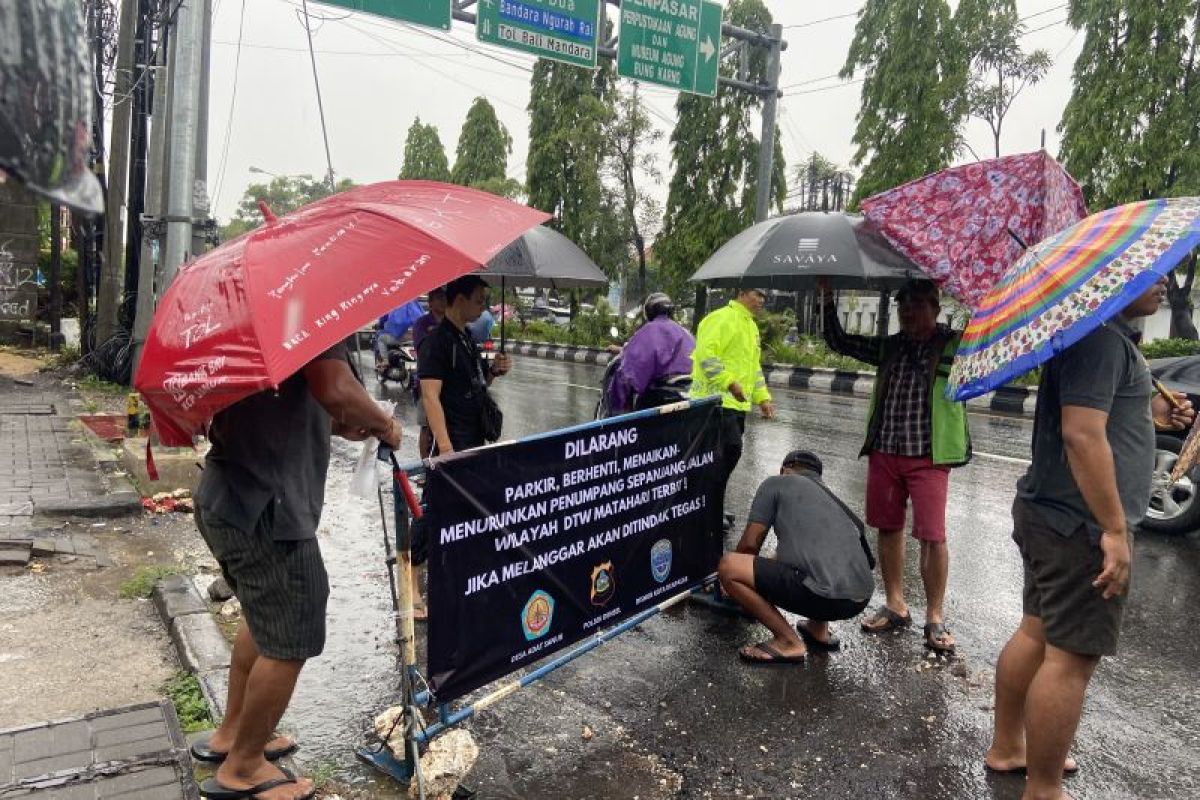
660 560
537 615
603 583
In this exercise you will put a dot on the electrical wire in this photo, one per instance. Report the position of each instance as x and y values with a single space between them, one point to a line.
237 61
819 21
320 102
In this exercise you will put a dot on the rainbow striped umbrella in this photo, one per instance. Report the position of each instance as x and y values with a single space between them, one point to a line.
1069 285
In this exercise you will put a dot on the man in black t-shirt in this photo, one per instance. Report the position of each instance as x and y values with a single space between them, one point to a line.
454 378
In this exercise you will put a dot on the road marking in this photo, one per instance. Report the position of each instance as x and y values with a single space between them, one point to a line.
577 386
1008 459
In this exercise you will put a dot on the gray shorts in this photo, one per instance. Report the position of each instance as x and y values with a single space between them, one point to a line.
1059 571
281 585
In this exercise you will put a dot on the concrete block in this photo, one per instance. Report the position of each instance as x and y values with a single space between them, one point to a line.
199 642
44 546
176 596
178 467
214 685
15 554
115 504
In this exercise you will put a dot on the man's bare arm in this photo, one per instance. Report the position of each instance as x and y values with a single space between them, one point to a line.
752 538
431 398
347 402
1085 437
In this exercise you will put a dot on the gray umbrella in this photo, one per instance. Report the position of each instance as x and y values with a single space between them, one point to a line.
542 258
793 251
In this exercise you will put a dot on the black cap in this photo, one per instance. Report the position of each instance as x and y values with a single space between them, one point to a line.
804 458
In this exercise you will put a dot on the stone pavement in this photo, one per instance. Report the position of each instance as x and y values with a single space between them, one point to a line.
132 753
44 463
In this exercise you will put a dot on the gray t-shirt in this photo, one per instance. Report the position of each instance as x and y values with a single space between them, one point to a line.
270 449
1103 371
816 535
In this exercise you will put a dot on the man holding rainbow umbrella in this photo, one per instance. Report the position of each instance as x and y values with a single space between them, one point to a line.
1067 305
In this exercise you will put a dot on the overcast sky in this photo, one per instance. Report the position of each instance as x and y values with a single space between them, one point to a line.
377 75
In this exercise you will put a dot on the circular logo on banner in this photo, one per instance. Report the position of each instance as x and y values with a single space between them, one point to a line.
603 583
660 560
537 615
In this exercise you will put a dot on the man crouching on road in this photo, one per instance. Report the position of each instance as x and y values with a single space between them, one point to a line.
822 568
1086 488
257 507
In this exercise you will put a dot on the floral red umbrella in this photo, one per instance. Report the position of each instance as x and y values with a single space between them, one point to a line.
965 226
247 315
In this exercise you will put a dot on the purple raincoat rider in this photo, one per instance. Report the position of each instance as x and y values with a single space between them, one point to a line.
656 363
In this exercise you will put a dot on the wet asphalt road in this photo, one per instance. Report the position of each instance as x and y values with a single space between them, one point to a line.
675 714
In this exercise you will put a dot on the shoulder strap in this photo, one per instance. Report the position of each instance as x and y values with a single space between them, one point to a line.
858 523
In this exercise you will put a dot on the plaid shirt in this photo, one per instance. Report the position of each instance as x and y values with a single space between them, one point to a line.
906 417
905 428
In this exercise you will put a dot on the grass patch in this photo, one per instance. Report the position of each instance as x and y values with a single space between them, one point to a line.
183 690
142 582
91 383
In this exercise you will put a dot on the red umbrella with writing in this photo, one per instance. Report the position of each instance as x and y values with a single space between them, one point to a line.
245 316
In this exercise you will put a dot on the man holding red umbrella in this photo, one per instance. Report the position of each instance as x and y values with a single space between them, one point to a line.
258 506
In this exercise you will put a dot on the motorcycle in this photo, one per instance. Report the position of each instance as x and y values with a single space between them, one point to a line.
397 363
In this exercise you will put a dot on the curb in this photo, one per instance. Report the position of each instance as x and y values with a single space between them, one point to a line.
1015 401
115 504
198 640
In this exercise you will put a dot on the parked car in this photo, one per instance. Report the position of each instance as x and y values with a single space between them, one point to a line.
1174 508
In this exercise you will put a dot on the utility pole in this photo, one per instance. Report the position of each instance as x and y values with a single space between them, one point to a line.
200 208
187 45
111 282
137 173
766 146
56 337
149 274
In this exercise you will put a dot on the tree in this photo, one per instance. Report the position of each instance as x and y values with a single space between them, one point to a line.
1130 130
822 185
631 137
424 155
991 31
481 159
568 111
283 194
715 155
914 93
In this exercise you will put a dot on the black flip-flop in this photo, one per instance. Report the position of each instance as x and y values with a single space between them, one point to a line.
1023 771
891 619
212 789
776 658
832 646
933 632
201 751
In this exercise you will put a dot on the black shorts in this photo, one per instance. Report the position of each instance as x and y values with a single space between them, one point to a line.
1059 571
282 585
782 585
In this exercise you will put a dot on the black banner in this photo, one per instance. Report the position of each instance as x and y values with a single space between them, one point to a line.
537 544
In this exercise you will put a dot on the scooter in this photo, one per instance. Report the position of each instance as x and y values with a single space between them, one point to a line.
397 365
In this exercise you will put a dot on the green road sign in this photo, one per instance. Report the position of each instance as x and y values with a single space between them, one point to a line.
433 13
564 30
674 43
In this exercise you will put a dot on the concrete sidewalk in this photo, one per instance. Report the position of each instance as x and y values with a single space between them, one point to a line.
45 466
133 753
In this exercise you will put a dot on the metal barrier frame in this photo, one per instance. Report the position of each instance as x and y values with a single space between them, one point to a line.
399 563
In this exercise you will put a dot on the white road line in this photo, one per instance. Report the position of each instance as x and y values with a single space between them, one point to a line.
1008 459
577 386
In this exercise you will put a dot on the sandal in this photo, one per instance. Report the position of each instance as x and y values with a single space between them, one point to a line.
213 789
884 619
831 646
776 658
202 751
935 633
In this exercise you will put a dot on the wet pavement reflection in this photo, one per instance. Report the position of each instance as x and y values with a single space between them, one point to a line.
675 714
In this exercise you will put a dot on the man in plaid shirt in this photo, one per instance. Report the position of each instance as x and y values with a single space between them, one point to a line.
914 437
